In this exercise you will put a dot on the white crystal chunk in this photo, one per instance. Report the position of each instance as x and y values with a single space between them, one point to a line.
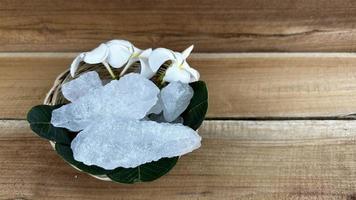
115 142
157 108
82 85
131 97
175 98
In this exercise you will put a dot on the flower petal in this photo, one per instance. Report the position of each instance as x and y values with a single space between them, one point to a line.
145 53
124 43
96 55
187 51
178 58
158 57
75 64
118 55
194 74
145 69
176 74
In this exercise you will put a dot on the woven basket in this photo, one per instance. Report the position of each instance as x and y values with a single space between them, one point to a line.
55 96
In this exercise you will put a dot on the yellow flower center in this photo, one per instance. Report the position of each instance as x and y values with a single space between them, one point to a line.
181 66
135 55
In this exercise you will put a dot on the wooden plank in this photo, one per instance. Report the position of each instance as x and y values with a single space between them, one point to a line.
240 85
213 26
237 160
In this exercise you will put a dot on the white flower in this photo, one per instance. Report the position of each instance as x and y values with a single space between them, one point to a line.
142 56
114 53
179 70
146 71
119 53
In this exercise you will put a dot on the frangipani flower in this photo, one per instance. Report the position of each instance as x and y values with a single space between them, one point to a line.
114 53
142 56
179 70
119 53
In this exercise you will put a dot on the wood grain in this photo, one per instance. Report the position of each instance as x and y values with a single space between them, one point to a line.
213 25
240 85
237 160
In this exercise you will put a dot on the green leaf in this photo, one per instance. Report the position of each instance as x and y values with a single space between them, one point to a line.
67 154
143 173
39 118
195 113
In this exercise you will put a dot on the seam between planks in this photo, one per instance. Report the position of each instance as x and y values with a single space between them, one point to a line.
196 55
332 118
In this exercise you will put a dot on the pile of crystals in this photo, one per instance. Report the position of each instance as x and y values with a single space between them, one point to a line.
114 120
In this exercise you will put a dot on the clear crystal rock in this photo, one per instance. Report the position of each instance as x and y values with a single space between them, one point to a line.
131 97
115 142
157 108
175 98
82 85
160 118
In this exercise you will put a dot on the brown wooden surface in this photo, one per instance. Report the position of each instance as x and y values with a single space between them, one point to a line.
274 128
237 160
212 25
240 85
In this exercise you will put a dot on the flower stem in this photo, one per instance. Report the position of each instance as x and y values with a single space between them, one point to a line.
109 70
127 66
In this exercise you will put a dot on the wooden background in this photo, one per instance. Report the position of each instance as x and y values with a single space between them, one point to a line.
282 82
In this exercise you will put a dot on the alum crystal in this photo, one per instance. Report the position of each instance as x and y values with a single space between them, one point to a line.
115 131
126 143
131 97
175 98
80 86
